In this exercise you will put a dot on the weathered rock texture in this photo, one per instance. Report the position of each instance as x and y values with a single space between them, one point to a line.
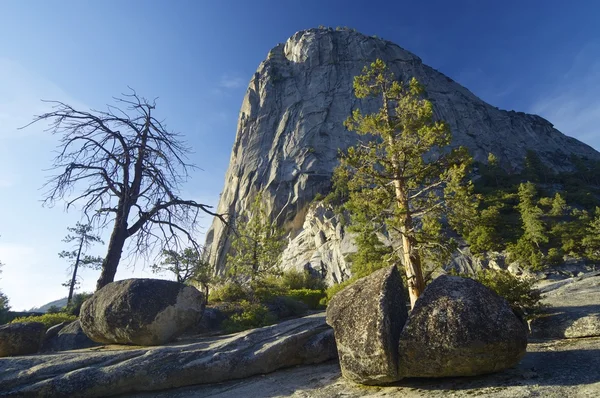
141 312
321 246
555 369
573 309
367 318
290 127
114 370
459 327
21 338
69 337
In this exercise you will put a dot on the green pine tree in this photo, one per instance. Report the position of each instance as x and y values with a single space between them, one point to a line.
256 247
187 265
403 177
591 241
83 239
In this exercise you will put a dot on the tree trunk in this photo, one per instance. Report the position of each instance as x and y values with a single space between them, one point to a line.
414 274
74 278
113 256
412 260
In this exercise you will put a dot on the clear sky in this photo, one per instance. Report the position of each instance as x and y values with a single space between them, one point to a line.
538 56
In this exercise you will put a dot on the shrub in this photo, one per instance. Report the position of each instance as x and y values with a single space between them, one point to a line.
519 293
229 292
311 298
48 320
526 253
53 310
252 316
267 288
295 279
76 303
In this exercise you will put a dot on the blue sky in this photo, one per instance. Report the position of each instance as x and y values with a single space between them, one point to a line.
198 56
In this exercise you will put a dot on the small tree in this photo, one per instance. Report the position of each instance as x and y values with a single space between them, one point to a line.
257 246
403 177
4 307
591 241
82 240
527 249
188 266
127 169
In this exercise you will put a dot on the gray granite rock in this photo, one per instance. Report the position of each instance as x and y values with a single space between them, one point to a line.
321 246
290 129
141 312
21 338
367 318
459 327
573 309
69 337
119 370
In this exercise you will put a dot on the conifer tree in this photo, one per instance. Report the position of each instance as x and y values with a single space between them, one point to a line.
4 307
83 240
534 230
257 245
403 176
591 241
188 266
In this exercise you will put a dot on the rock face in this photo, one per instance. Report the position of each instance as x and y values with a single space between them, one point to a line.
459 327
21 338
290 128
70 337
208 360
141 312
367 318
321 246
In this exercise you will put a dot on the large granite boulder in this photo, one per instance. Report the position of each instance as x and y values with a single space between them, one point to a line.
21 338
141 312
459 327
101 373
69 337
367 318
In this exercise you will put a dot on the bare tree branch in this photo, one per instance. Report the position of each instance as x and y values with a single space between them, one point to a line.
127 169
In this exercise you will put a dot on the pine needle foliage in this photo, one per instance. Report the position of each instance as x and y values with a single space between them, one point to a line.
402 176
256 247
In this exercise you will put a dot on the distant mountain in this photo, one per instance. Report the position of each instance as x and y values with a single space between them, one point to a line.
44 308
290 131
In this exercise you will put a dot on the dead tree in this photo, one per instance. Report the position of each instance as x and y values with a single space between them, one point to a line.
123 167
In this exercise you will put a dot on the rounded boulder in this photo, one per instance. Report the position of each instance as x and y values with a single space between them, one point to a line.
21 338
459 327
141 312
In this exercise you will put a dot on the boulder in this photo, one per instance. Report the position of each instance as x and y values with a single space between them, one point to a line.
141 312
69 337
21 338
101 373
459 327
367 318
54 330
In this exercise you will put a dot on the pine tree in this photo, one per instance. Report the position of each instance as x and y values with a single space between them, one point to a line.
188 267
4 307
256 247
403 176
83 240
534 230
591 241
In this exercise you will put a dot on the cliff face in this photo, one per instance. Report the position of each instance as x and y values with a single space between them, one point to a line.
290 130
